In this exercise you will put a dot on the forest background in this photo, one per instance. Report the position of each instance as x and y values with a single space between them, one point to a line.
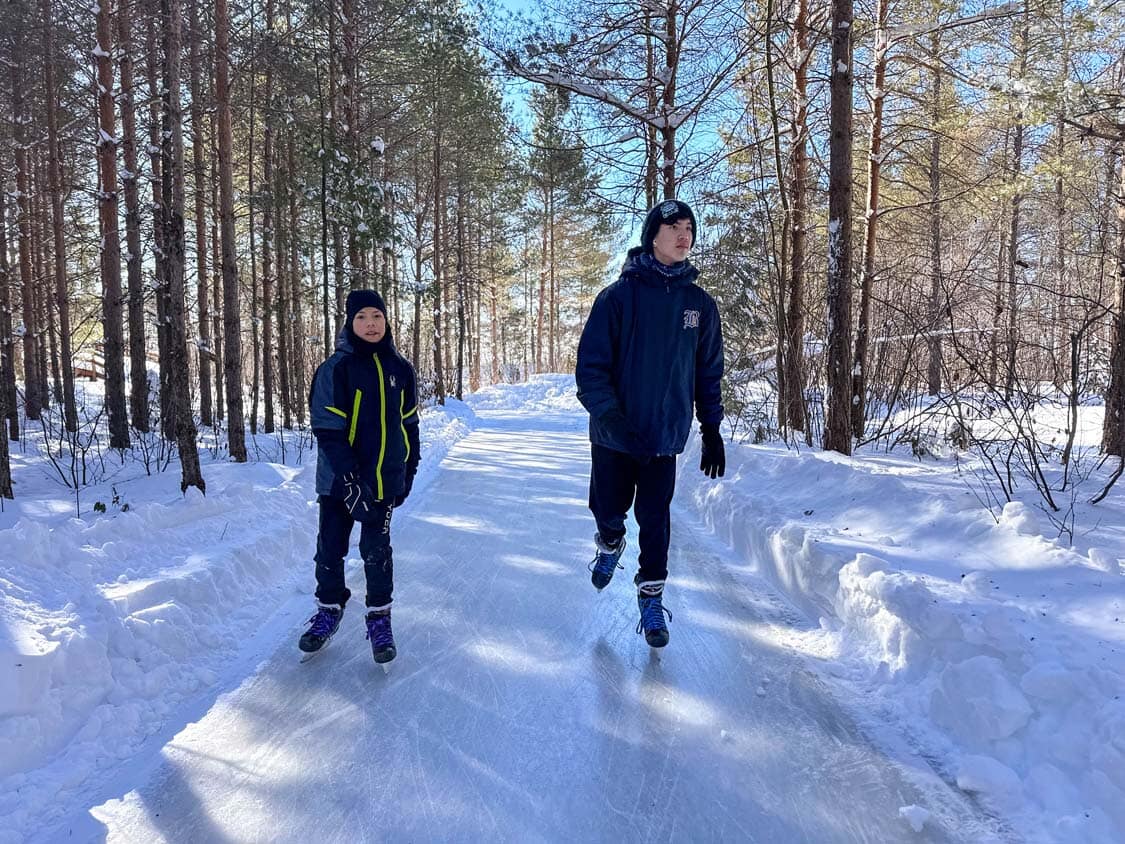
912 214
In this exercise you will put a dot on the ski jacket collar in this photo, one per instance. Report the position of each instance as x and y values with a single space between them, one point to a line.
345 343
644 267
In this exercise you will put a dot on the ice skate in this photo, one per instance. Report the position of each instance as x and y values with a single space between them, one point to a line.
650 594
382 639
322 627
605 562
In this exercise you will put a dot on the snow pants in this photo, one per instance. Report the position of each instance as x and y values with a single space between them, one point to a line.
619 481
374 547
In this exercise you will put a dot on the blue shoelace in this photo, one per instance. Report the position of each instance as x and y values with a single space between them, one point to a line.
605 563
652 614
324 622
379 631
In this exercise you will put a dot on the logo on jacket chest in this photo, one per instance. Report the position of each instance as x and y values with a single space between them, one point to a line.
691 319
391 378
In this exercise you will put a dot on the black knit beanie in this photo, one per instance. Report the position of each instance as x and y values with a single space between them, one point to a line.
357 301
360 299
666 213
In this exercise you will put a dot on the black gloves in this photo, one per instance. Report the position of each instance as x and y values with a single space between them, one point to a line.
400 499
713 460
358 497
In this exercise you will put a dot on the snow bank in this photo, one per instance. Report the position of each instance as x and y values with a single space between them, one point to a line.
110 622
997 649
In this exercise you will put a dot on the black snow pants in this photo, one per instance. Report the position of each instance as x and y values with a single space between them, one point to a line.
619 481
374 547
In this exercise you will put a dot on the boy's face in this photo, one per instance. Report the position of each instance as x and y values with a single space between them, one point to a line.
370 325
672 242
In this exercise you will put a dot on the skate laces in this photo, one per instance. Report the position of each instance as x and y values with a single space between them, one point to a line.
325 621
605 562
379 630
652 614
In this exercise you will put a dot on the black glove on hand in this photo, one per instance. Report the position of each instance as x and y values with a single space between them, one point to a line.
713 460
358 497
400 499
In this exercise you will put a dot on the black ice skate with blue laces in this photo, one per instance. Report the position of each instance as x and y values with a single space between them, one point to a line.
606 561
322 627
650 601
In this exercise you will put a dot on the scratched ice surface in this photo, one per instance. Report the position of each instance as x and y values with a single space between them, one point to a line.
524 707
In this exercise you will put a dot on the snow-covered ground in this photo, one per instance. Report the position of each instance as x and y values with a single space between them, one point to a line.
860 651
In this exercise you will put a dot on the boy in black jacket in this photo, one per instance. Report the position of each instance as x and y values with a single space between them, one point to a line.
651 350
363 405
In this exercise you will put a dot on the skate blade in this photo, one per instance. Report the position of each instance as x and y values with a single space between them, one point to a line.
306 656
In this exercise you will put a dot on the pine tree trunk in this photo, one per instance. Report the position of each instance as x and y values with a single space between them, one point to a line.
1014 231
5 462
268 229
460 282
795 414
297 316
934 323
998 294
216 268
58 222
477 293
494 345
10 411
1113 430
255 345
439 204
871 221
349 68
49 388
138 362
837 425
448 291
111 242
32 402
232 343
553 343
783 198
541 308
173 190
281 294
199 176
7 374
326 286
156 178
1059 339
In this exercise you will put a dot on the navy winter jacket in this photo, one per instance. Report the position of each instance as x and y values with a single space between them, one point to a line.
364 411
652 348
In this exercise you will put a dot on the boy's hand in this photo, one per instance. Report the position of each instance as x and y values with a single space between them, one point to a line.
358 497
713 460
401 499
